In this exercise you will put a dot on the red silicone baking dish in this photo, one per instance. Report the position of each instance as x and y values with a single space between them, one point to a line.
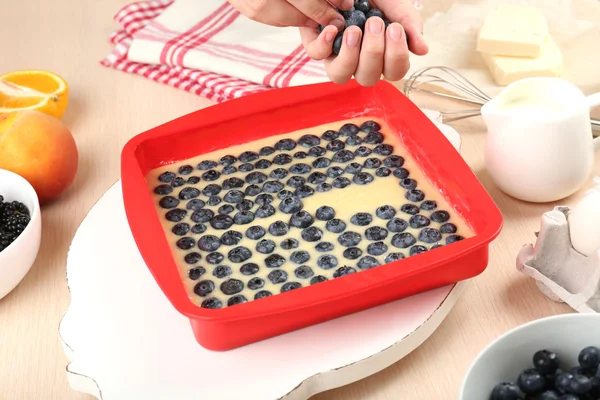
286 110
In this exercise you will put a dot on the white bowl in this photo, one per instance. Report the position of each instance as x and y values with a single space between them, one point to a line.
511 353
16 260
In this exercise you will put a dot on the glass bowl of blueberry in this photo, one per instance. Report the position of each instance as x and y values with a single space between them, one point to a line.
20 229
554 358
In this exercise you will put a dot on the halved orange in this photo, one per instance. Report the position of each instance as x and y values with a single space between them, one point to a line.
33 90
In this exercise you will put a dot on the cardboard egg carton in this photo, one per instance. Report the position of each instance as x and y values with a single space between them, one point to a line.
561 272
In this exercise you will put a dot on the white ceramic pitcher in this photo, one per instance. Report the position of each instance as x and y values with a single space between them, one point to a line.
539 146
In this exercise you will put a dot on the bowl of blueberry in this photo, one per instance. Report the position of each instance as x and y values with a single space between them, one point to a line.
554 358
20 229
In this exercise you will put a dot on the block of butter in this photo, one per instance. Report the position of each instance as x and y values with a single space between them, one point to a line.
506 70
513 30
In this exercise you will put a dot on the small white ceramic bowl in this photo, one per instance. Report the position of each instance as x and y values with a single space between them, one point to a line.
511 353
16 260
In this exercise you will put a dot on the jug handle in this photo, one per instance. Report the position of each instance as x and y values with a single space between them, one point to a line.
594 101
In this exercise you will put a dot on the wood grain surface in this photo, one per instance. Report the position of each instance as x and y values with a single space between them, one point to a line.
109 107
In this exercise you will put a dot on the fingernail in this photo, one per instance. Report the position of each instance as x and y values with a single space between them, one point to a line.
375 26
395 32
338 23
329 36
347 4
353 38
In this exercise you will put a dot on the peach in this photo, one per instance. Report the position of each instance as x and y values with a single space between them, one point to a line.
41 149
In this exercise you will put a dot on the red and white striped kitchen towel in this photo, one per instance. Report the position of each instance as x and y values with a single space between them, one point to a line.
208 48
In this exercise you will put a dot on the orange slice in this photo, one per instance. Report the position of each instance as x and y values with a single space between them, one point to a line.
33 90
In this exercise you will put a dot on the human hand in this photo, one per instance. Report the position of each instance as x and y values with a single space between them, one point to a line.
384 49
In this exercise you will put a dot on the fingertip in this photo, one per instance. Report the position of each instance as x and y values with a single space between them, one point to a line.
416 41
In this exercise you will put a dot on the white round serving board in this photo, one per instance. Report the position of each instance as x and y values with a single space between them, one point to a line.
125 341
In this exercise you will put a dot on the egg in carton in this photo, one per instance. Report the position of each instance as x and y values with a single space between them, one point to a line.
565 260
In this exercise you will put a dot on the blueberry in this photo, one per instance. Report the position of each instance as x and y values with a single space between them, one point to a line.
265 211
383 172
193 180
278 173
362 5
273 186
393 257
349 239
325 213
168 202
440 216
368 262
255 232
202 216
316 178
262 294
244 205
430 235
285 194
353 140
304 191
402 173
429 205
579 370
448 228
211 175
179 181
222 271
166 177
409 184
256 283
362 151
349 129
363 178
335 145
300 168
352 253
334 172
266 151
353 168
546 361
237 299
317 151
373 138
163 189
397 225
377 248
296 181
282 159
361 219
562 381
301 219
212 303
285 145
234 196
312 234
227 160
229 170
341 182
393 161
415 195
206 165
221 222
418 249
372 163
373 12
299 257
249 269
209 243
324 187
278 228
192 258
214 200
324 247
335 225
289 243
248 156
214 258
507 391
180 229
290 286
246 167
309 141
239 254
211 189
186 243
383 149
369 126
231 238
252 190
264 199
225 209
453 238
589 357
176 215
385 212
265 246
409 209
327 261
321 162
403 240
255 178
290 205
343 156
300 155
204 288
262 164
376 233
195 273
277 276
418 221
337 43
531 381
317 279
303 272
343 271
330 135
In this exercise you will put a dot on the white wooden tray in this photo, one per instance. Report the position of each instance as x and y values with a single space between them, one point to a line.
125 341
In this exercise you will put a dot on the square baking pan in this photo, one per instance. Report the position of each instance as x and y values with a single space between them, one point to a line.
276 112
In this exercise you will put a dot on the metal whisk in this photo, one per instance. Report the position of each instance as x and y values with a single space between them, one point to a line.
456 82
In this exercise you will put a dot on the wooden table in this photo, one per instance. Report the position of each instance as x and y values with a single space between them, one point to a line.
109 107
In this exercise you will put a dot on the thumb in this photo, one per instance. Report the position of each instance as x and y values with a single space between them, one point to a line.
405 13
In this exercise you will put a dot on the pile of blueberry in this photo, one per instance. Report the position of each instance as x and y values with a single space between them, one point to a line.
548 381
14 218
356 16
